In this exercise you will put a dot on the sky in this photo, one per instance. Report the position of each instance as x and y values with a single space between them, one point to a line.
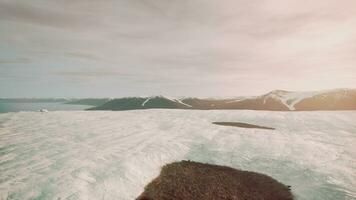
115 48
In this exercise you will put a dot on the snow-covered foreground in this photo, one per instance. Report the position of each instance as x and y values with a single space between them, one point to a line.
113 155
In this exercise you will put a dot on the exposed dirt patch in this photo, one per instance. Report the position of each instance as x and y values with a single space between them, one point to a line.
242 125
196 181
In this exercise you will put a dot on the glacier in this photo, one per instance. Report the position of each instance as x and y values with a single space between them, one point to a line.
113 155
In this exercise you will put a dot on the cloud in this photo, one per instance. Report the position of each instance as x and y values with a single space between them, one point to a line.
163 45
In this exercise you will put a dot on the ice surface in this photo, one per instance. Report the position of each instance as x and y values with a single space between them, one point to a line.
113 155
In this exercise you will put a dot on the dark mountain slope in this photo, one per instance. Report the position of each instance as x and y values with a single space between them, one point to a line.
333 100
136 103
277 100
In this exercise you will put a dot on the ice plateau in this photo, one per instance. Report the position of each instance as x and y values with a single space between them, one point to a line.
113 155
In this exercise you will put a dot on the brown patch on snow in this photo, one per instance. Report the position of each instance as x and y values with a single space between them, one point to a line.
197 181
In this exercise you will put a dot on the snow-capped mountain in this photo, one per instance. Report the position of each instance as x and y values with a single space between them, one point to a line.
277 100
135 103
338 99
343 99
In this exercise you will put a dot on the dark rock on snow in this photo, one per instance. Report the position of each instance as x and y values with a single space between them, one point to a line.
197 181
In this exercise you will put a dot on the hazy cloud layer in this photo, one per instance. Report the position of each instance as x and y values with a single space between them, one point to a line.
177 48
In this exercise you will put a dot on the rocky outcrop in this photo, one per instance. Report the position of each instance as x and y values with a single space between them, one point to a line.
196 181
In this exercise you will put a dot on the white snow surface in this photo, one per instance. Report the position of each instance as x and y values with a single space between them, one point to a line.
113 155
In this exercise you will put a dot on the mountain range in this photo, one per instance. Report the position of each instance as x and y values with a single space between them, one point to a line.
277 100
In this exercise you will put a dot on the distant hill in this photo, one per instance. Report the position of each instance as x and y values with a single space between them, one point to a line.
277 100
135 103
89 101
332 100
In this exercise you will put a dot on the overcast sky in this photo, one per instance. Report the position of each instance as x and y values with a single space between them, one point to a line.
114 48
